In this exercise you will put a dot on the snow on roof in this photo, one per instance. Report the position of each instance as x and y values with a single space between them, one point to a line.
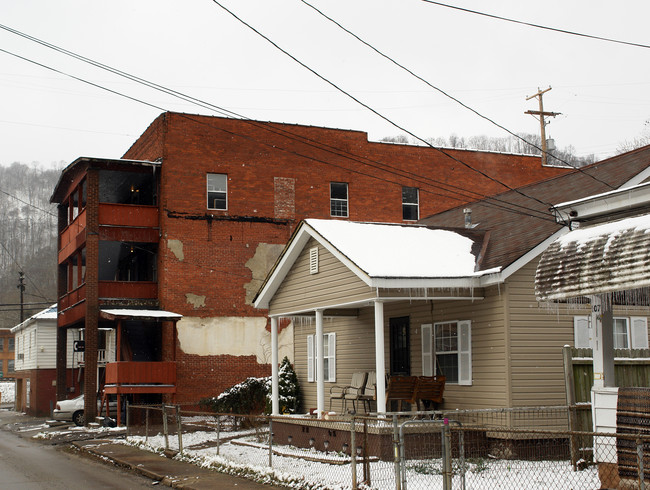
125 312
389 250
600 259
46 314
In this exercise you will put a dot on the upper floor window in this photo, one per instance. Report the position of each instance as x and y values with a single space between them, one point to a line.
339 199
11 344
410 203
2 344
217 191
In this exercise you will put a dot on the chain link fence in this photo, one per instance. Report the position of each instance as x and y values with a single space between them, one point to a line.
473 449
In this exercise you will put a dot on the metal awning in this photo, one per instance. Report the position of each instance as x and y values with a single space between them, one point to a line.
596 260
144 315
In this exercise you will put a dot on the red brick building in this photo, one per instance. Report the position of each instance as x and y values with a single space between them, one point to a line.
7 354
192 218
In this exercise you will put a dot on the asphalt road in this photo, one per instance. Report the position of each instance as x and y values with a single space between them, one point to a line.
26 464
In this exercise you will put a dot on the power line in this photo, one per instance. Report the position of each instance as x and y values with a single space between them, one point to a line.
538 26
374 111
227 113
27 203
458 101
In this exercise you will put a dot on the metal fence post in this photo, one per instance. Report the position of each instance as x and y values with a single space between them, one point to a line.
179 429
128 418
639 453
396 452
165 431
446 456
218 433
270 442
353 453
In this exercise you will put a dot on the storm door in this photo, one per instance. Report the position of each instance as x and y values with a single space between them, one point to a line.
400 346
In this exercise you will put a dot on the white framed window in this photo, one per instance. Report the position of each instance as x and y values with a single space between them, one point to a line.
581 332
629 333
217 191
329 357
410 203
339 199
452 347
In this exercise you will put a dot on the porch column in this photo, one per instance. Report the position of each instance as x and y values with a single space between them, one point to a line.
602 322
320 365
380 367
275 394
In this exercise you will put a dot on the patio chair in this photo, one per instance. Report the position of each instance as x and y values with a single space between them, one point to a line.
369 391
350 392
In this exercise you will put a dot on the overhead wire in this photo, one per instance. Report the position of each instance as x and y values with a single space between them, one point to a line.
371 109
438 89
227 113
538 26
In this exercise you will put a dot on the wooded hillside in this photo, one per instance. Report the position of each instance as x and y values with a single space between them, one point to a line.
27 239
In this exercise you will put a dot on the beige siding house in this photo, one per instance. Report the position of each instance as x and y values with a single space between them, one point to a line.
366 288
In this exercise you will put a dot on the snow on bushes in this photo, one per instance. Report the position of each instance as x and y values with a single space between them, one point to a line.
7 391
253 396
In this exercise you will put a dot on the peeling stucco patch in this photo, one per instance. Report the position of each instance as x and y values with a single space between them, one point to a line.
260 264
195 300
235 336
176 247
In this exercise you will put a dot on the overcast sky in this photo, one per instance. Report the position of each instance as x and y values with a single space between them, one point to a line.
195 47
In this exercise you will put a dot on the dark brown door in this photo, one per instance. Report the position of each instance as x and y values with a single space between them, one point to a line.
400 346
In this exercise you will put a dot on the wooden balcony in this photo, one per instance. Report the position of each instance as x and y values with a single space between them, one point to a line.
111 214
128 289
140 377
72 237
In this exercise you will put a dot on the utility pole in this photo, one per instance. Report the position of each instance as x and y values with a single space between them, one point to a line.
542 122
21 287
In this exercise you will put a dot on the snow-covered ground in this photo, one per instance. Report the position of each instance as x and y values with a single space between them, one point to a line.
7 391
299 468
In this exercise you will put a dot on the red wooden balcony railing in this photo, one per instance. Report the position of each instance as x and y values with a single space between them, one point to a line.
140 377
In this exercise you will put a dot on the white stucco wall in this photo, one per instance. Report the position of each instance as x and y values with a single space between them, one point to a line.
235 336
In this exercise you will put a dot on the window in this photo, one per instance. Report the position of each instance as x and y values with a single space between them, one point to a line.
339 199
410 203
629 333
2 345
217 191
453 351
11 344
329 357
10 365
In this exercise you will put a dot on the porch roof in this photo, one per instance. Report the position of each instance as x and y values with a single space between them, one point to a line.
132 314
387 256
600 259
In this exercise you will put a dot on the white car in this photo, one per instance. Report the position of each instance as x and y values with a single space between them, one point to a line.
74 410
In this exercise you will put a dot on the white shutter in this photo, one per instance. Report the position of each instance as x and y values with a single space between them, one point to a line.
427 357
465 352
581 332
639 332
310 359
331 338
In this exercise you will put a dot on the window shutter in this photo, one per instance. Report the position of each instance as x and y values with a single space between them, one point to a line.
427 357
581 333
332 355
313 260
464 352
639 332
310 358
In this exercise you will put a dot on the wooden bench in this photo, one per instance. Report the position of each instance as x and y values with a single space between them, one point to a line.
416 390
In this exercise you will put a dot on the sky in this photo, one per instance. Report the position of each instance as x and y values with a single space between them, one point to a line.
601 89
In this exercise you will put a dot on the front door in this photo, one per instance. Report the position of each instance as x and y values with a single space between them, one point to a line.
400 346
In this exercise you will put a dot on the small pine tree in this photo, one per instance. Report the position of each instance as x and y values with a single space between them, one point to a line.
288 389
